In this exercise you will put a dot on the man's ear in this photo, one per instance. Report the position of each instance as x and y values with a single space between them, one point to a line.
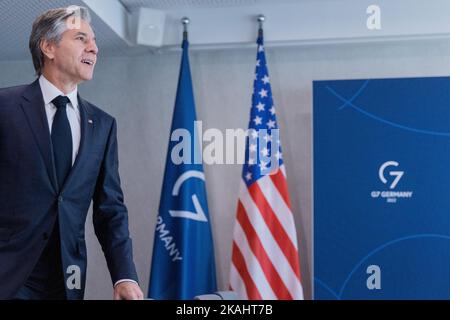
48 49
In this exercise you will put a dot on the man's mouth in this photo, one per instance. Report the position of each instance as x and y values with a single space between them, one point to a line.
88 62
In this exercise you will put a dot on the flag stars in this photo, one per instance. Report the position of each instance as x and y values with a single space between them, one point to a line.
260 106
265 152
267 138
258 121
263 165
261 154
263 93
278 155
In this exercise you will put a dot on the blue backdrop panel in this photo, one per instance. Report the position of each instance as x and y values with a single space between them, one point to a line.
382 189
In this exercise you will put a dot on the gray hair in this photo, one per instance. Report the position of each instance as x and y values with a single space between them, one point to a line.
50 26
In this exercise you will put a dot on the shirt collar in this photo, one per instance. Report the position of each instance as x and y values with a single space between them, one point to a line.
50 92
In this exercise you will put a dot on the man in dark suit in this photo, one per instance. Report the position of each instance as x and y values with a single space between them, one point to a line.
57 153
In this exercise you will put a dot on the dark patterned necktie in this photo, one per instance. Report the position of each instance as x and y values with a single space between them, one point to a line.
61 140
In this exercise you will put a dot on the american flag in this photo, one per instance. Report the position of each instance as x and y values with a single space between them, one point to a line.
265 260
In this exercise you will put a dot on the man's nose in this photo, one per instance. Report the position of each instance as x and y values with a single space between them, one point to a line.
92 47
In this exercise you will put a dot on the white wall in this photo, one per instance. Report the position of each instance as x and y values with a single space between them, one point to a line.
140 93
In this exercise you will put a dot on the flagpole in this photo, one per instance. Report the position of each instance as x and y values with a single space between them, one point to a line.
185 21
261 19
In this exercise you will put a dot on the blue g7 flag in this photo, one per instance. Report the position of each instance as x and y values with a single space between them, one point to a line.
183 254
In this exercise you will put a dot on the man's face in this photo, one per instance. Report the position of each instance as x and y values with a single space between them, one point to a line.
74 57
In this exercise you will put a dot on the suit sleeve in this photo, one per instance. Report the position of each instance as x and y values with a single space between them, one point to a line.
110 215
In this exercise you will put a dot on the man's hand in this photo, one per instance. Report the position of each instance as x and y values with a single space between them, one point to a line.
128 290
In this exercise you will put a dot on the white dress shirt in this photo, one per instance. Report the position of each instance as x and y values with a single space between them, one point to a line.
50 92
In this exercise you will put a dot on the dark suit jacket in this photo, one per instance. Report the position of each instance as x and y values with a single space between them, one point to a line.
30 199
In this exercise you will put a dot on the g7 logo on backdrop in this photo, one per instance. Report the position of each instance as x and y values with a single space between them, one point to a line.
388 174
397 174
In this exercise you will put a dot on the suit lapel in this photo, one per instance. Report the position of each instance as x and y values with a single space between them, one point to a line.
34 108
88 122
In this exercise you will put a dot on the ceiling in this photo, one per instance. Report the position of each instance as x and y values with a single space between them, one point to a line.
16 19
17 16
221 23
193 4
